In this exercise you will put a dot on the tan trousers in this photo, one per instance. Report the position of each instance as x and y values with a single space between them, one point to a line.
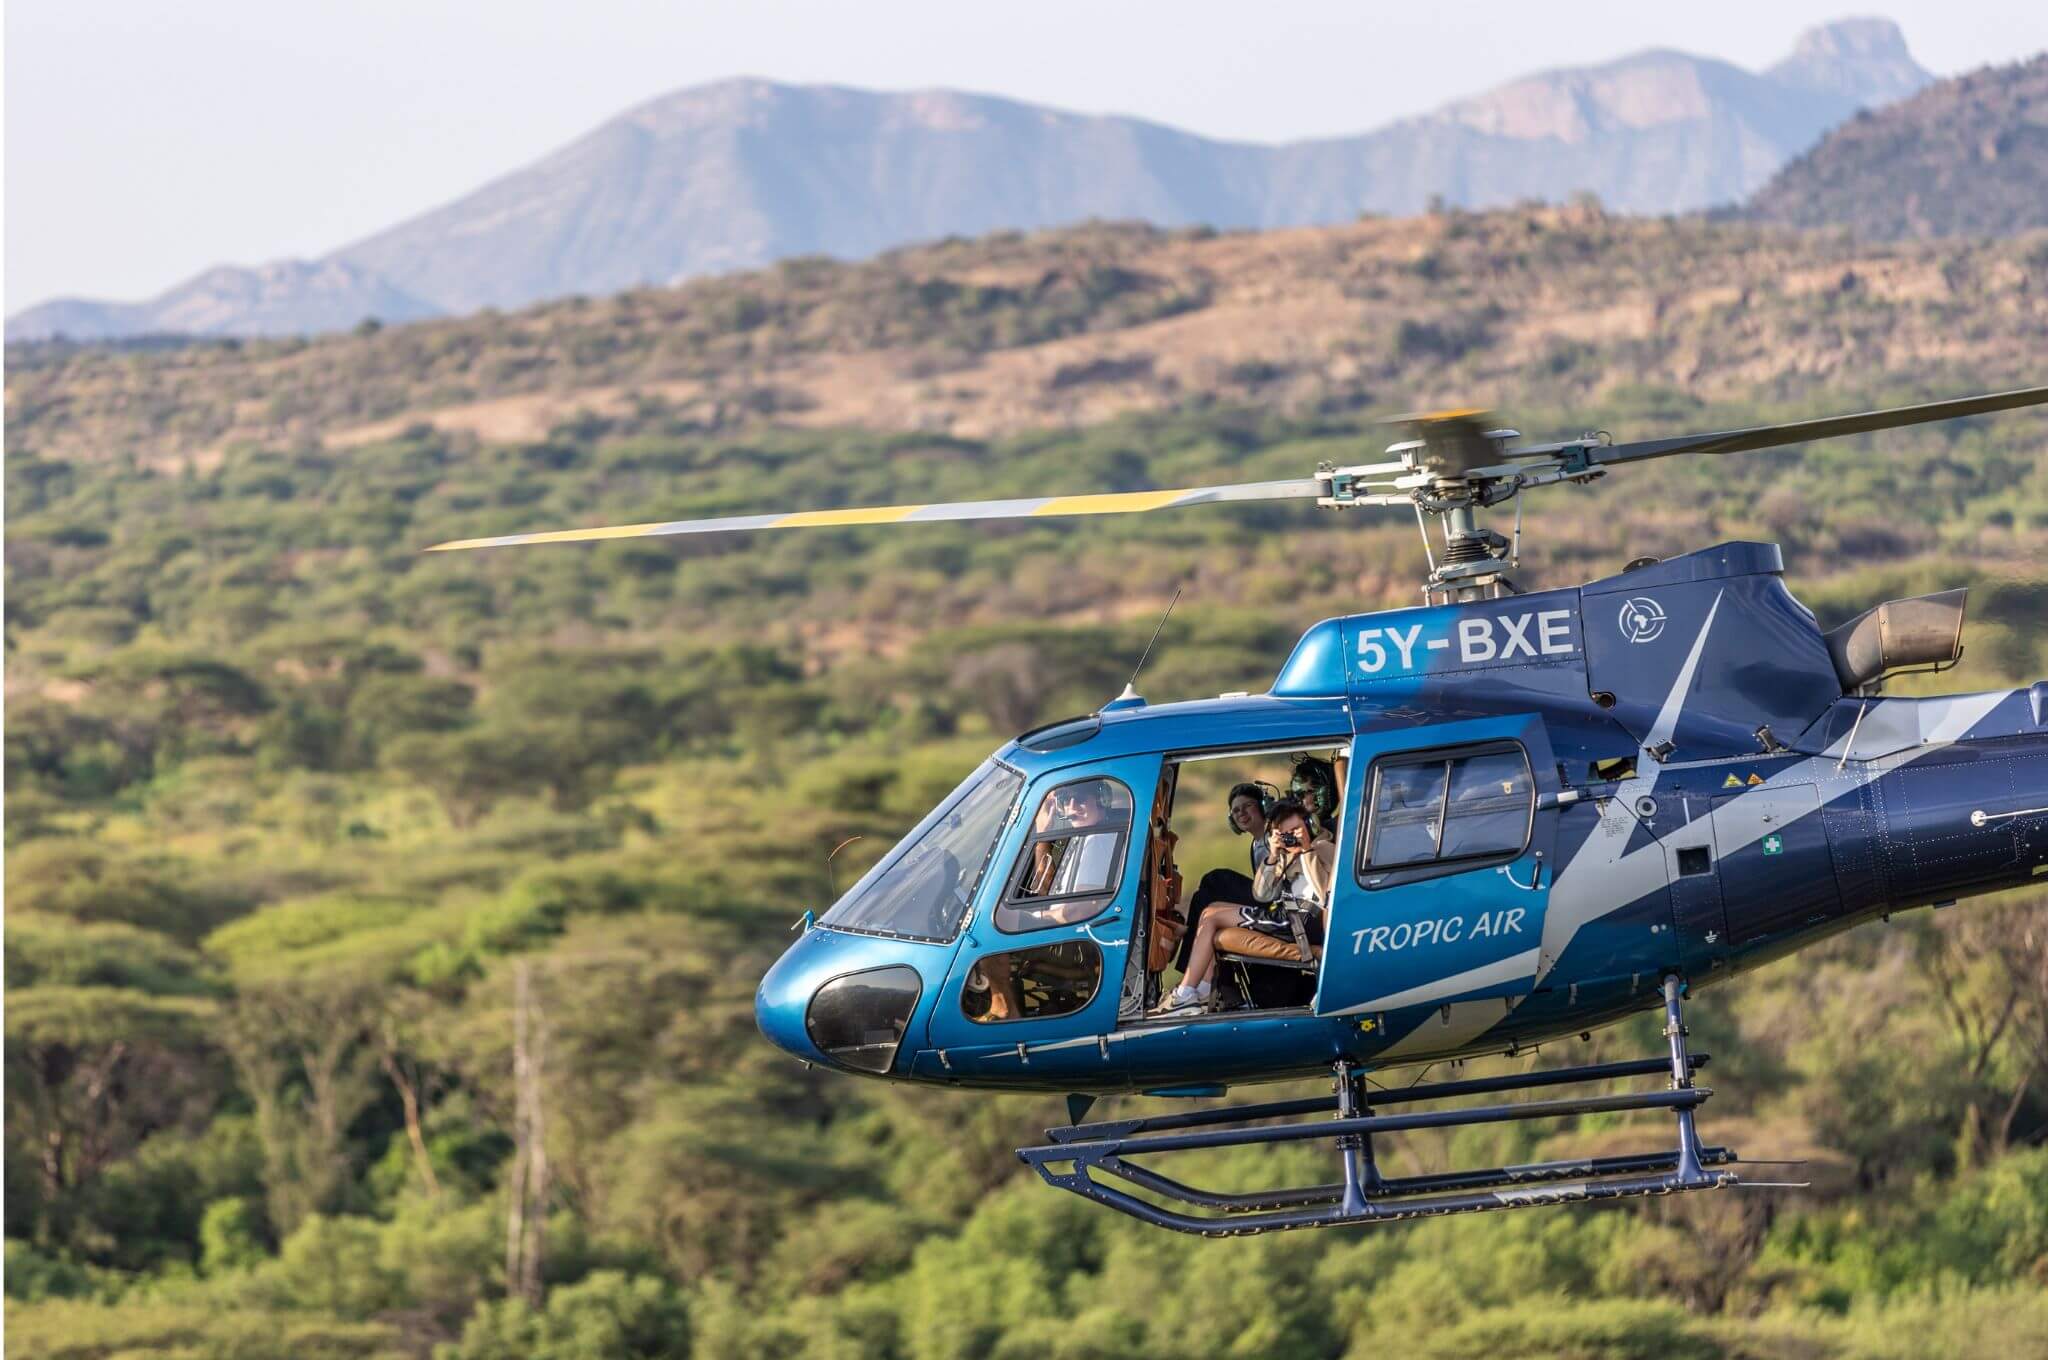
1239 940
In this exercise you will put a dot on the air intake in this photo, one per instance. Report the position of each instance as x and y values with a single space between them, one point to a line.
1926 630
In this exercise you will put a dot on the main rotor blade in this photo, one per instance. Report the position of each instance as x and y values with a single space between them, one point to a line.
1032 507
1828 427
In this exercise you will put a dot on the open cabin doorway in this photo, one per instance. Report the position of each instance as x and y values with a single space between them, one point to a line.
1195 822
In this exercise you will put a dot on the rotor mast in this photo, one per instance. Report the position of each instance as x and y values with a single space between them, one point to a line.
1451 469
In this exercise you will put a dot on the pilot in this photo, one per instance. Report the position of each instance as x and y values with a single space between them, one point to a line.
1227 889
1078 864
1298 871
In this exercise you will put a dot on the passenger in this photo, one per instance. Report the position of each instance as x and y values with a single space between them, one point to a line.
1227 889
1315 787
1298 871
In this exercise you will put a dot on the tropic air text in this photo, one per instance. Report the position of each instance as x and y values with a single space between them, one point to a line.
1444 930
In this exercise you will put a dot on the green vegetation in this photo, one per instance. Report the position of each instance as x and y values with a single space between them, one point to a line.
291 808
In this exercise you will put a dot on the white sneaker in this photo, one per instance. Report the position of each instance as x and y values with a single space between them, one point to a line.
1186 1000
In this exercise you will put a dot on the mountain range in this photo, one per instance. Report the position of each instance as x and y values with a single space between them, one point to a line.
743 172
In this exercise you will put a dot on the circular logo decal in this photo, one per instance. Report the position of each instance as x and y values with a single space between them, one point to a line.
1642 619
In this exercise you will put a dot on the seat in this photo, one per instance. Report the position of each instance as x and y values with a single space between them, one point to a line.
1268 991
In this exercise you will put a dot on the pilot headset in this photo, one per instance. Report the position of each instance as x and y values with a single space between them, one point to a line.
1257 788
1315 784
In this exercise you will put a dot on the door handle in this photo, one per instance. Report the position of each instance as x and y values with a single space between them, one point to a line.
1535 876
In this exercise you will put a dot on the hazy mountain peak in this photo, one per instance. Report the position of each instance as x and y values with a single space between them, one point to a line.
1865 59
1862 60
282 297
734 101
1865 39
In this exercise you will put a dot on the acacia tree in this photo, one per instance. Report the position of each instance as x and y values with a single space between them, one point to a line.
304 1050
1987 966
91 1073
468 771
399 1031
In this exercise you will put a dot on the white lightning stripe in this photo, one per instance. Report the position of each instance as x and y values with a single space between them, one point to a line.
1593 884
1438 1034
1600 878
1674 702
1954 717
1891 725
1471 980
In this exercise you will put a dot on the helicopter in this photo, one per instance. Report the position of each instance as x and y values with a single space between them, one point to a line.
1550 811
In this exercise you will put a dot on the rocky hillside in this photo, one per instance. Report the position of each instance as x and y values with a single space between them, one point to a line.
1966 157
1011 333
745 172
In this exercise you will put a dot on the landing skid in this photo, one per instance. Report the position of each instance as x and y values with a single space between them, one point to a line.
1077 1153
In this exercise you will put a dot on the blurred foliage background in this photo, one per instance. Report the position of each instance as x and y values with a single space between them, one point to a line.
290 807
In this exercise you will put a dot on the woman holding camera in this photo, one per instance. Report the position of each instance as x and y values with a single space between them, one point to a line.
1296 872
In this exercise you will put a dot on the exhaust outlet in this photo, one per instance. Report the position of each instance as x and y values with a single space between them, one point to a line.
1922 631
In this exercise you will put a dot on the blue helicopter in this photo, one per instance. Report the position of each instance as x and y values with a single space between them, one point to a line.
1545 812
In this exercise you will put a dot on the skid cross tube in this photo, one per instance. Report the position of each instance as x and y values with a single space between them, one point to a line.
1530 1173
1074 1155
1393 1211
1400 1095
1379 1123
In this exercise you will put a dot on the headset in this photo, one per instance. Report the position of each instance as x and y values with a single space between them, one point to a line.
1317 781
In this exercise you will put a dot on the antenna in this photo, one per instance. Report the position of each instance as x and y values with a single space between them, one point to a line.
1131 685
831 879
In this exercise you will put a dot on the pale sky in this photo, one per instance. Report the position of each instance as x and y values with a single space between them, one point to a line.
146 141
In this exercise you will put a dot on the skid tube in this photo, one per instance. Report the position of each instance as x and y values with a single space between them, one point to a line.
1075 1154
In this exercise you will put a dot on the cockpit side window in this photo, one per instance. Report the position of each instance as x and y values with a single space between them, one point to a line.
1073 860
922 888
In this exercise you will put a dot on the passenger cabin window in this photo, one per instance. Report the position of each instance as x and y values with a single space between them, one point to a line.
1445 807
1033 984
1074 858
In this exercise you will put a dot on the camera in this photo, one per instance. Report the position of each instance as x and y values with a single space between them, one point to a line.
1292 840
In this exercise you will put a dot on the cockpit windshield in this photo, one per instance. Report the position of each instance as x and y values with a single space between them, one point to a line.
924 886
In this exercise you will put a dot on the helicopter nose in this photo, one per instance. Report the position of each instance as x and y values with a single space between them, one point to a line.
843 1000
781 1000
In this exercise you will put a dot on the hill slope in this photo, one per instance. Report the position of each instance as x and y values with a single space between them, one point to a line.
744 172
1009 333
1965 157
